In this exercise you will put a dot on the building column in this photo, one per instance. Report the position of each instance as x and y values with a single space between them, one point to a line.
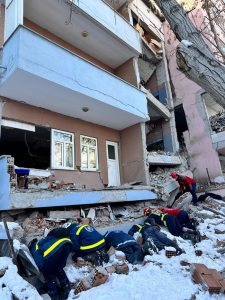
204 159
134 164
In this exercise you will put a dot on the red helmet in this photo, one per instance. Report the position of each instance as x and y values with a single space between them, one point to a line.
147 211
173 174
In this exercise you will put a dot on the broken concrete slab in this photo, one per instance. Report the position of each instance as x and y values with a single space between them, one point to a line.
64 214
68 198
158 159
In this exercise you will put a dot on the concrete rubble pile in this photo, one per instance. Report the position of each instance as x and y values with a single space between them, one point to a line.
218 122
163 185
37 224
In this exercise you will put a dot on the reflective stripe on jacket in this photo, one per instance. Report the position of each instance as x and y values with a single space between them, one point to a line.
85 239
46 248
161 215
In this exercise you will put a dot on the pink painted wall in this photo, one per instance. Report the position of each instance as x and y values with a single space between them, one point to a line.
198 139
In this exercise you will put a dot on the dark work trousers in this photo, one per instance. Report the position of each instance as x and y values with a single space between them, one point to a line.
173 225
134 253
193 192
159 238
53 268
184 219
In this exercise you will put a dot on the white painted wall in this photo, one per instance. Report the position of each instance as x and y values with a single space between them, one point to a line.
13 16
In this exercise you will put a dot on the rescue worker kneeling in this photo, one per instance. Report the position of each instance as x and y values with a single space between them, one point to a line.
88 243
50 254
153 239
125 243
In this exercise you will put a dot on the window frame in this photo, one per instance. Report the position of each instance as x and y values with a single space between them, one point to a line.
53 161
96 155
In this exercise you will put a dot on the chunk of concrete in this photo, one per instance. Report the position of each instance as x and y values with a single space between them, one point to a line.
64 214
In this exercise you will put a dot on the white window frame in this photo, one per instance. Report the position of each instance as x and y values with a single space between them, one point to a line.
53 164
88 146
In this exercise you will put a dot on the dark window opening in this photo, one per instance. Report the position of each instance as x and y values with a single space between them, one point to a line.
181 123
154 137
30 149
111 152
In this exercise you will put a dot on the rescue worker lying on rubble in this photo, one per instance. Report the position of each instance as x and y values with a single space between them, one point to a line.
153 239
187 184
172 223
182 216
50 255
127 244
87 242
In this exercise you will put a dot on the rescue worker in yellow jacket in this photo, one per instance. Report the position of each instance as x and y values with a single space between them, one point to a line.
50 254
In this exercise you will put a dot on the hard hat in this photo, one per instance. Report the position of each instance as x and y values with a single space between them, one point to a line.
147 211
173 174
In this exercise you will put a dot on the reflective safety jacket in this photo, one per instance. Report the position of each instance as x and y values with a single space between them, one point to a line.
119 239
157 217
46 247
85 239
170 221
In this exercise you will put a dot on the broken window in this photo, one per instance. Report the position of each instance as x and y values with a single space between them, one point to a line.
30 149
181 123
62 149
89 153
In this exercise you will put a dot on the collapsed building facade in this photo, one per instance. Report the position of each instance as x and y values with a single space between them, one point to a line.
85 92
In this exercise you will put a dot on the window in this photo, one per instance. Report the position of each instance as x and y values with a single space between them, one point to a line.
89 153
62 150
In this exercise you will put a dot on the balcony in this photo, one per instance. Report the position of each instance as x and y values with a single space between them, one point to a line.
43 74
108 36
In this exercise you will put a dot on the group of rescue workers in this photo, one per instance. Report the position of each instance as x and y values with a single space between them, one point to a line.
51 253
82 240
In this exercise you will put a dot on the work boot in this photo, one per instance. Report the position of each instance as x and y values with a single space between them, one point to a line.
149 247
190 236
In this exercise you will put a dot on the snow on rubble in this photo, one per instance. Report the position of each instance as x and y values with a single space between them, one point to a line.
161 277
158 278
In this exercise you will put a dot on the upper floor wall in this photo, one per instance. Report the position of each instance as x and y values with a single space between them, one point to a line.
91 26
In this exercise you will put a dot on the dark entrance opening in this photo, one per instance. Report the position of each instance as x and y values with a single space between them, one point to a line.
30 149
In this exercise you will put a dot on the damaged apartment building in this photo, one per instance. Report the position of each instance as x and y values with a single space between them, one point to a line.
71 106
86 102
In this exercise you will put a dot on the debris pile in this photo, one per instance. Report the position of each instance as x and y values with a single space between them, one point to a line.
218 122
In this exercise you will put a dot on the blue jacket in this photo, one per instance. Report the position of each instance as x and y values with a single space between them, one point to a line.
119 239
85 239
46 247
